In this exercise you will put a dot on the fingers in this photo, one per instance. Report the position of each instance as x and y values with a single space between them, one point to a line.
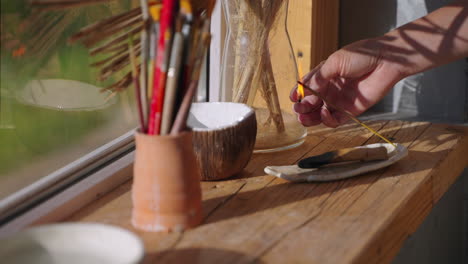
307 80
309 119
330 68
322 115
308 110
327 118
311 110
308 105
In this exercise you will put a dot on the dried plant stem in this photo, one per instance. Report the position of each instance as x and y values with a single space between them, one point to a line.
270 93
116 40
242 6
109 22
121 84
247 65
50 5
117 64
93 39
116 49
254 22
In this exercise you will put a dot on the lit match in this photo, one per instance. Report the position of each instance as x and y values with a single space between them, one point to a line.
300 87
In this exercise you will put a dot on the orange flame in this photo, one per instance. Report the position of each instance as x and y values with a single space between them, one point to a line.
300 87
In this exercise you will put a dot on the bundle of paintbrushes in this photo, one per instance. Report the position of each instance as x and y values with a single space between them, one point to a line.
158 47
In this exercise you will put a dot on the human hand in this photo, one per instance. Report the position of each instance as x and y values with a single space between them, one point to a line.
353 78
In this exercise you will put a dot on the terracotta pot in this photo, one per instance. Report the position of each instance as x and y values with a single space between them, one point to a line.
166 191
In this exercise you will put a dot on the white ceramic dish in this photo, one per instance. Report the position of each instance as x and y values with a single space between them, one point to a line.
72 243
337 172
217 115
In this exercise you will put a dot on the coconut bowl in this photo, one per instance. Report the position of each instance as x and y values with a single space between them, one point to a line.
223 137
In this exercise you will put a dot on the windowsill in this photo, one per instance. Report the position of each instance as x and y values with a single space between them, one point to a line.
260 217
71 199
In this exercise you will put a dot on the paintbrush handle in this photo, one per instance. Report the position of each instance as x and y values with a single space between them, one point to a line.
172 83
181 118
154 119
344 155
180 122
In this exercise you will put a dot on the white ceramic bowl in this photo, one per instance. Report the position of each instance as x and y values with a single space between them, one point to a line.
72 243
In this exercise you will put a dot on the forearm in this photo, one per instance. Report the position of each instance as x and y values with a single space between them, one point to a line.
433 40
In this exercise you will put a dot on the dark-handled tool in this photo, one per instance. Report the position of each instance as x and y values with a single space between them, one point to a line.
344 155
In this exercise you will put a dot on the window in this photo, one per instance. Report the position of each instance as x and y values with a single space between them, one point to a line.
53 112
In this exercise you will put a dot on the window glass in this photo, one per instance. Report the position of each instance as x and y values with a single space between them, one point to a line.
52 109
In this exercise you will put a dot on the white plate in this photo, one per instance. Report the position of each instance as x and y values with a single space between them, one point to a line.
72 243
338 172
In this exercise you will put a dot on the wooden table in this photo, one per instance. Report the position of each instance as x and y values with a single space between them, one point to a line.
263 219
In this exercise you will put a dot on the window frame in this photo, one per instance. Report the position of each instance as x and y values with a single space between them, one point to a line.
58 195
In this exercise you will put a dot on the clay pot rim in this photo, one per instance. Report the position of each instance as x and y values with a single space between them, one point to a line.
245 117
140 134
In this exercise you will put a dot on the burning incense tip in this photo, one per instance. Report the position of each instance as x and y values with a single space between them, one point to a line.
300 87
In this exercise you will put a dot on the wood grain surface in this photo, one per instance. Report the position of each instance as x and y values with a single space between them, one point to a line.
255 218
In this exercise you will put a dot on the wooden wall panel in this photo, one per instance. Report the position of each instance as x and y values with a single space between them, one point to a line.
313 28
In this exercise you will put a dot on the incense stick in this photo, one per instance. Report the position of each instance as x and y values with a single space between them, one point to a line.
348 114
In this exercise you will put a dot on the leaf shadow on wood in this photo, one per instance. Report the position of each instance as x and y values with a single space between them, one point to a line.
276 193
400 49
398 54
199 255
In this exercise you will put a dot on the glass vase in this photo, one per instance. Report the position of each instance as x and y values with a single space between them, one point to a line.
259 69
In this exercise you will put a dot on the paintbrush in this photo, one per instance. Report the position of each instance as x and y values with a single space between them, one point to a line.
136 83
160 69
180 122
186 14
172 83
145 35
348 114
155 12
